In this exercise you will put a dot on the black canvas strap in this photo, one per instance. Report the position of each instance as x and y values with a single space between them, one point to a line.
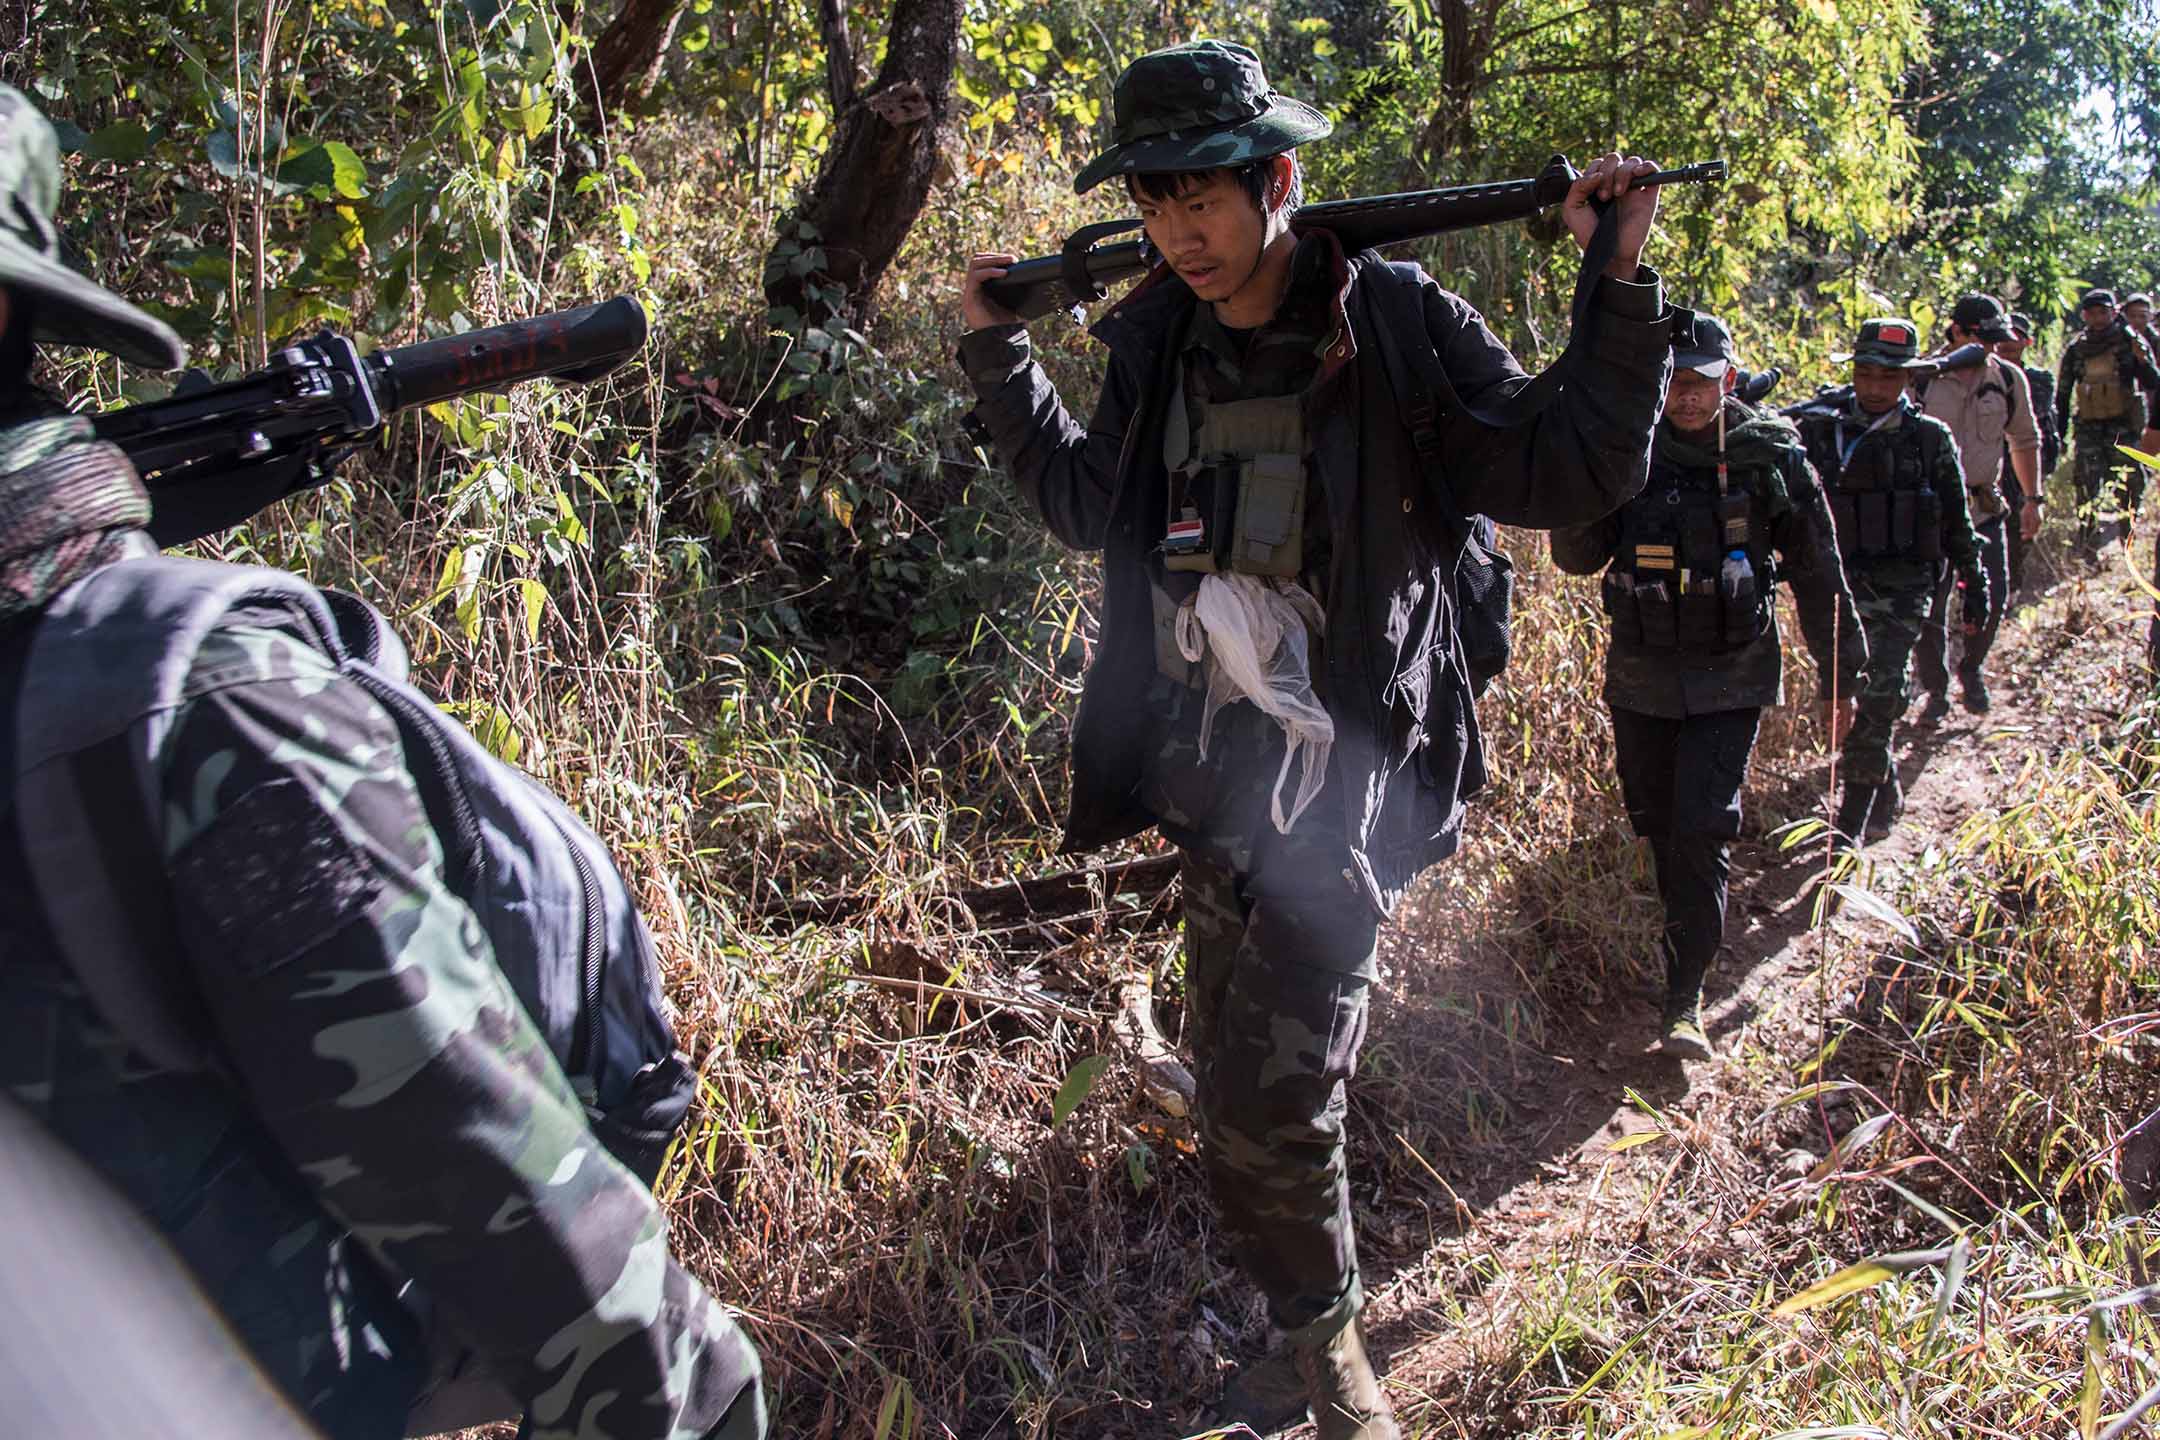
1421 382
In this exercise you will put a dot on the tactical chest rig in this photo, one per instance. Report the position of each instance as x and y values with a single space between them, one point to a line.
1237 486
2103 390
1879 487
1678 581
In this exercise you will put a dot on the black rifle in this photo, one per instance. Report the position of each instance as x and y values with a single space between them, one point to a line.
213 454
1966 357
1085 269
1755 385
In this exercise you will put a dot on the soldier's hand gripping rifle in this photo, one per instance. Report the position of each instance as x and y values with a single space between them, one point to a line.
1086 268
213 454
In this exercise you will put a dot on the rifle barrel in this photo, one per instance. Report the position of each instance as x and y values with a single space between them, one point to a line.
1033 288
576 345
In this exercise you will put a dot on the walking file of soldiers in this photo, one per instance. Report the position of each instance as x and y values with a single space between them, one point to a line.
315 1074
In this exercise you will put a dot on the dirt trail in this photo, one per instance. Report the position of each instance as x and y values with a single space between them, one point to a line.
1545 1179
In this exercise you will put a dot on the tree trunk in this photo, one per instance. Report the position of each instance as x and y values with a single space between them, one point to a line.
876 174
1463 45
626 58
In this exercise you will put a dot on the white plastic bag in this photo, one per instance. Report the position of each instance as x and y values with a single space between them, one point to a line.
1257 634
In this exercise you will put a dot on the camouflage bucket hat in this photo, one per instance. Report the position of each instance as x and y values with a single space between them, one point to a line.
1891 342
69 309
1196 107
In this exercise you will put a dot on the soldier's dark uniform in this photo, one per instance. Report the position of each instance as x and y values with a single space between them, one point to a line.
382 1106
2041 381
2099 380
1898 497
1280 927
1692 664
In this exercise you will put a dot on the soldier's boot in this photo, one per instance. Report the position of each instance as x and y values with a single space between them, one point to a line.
1936 710
1267 1395
1852 814
1345 1395
1888 807
1972 689
1685 1038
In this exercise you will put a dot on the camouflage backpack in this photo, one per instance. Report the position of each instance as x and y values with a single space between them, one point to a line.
99 672
88 684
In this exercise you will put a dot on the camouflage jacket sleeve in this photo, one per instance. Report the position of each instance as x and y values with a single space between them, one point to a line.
1806 540
357 1005
2067 371
1587 549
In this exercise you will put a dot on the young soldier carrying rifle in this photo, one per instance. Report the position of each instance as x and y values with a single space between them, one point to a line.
1261 499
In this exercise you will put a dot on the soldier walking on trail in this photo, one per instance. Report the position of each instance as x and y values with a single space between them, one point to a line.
323 1092
2137 314
1261 496
2103 369
1898 496
2041 380
1691 570
1990 412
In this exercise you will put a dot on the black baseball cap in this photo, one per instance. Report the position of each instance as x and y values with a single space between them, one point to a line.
1982 315
2021 326
1701 343
2097 297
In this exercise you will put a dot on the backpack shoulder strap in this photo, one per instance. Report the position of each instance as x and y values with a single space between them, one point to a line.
106 667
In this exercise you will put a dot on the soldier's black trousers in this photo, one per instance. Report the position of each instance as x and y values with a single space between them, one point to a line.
1681 782
1931 659
2014 541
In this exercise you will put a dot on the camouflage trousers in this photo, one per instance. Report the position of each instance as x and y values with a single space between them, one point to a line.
1279 960
1892 617
2105 478
1278 979
1932 658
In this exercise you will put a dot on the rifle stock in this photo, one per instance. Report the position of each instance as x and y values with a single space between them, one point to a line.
213 454
1083 271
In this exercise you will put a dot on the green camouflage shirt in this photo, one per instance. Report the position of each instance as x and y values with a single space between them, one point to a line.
2118 345
1836 431
386 1110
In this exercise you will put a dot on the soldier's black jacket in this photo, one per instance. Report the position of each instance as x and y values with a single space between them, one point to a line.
1788 513
2042 382
1407 751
